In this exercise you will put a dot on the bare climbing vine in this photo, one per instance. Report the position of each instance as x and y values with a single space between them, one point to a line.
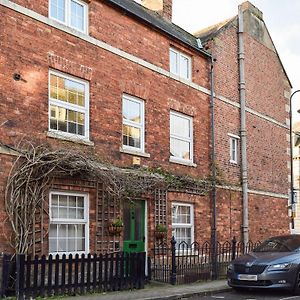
37 166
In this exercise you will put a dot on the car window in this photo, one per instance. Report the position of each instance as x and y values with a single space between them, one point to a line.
279 244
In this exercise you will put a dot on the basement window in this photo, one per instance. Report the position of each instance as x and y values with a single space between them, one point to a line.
183 224
68 229
72 13
68 105
180 64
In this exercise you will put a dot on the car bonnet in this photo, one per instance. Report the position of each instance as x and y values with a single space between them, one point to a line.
267 258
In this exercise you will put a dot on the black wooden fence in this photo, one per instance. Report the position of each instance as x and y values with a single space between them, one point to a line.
59 275
182 263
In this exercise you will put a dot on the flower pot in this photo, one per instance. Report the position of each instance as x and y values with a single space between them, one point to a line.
115 230
160 235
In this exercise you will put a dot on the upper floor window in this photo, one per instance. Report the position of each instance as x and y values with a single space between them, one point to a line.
233 143
133 123
183 223
68 229
72 13
180 64
181 137
68 105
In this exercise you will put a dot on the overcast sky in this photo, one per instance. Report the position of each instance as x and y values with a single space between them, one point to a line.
282 18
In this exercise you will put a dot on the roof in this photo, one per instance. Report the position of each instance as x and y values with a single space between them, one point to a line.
155 20
210 32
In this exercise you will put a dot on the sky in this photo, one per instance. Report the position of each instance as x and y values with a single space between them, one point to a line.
282 18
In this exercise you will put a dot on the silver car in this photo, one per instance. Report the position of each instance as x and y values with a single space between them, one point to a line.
273 264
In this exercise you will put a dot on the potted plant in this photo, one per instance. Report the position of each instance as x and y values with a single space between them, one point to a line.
115 227
161 231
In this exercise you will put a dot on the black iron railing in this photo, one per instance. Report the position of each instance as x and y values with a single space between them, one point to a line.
178 263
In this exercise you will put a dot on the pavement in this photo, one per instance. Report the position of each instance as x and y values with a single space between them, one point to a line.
159 291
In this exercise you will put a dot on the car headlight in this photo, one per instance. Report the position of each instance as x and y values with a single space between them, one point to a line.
230 267
279 267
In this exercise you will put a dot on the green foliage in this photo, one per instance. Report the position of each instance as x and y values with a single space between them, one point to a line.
161 228
183 182
117 223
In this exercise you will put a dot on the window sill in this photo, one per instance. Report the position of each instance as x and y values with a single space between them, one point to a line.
233 162
74 139
179 78
134 152
69 26
182 162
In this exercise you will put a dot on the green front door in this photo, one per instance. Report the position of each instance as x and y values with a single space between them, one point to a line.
134 226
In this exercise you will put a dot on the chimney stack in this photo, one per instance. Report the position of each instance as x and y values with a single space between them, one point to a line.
163 7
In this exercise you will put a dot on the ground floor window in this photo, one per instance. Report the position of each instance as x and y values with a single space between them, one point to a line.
68 228
183 223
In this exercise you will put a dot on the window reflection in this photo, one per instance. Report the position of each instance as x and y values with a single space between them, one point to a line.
133 122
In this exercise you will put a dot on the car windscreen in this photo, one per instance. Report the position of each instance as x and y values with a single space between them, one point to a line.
279 244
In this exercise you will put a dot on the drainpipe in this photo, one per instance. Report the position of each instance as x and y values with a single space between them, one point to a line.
213 170
241 62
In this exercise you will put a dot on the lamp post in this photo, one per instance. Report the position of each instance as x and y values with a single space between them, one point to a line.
291 155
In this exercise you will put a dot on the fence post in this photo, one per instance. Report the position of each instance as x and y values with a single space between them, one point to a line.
174 269
20 262
214 259
5 273
233 248
149 268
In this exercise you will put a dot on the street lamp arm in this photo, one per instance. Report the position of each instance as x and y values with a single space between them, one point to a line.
294 94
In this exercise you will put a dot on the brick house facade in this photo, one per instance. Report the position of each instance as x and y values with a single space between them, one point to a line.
122 84
267 90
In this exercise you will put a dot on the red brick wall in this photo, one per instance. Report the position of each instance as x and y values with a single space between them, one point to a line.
6 162
266 141
31 48
267 216
265 85
111 76
229 215
267 156
227 121
265 80
116 28
202 214
224 50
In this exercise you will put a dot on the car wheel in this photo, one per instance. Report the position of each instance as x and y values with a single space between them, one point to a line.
296 290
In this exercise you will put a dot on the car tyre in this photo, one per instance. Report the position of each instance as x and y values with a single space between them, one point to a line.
296 290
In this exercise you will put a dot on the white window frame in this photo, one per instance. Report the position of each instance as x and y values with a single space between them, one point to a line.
180 54
66 105
84 221
177 137
233 158
184 225
140 125
68 14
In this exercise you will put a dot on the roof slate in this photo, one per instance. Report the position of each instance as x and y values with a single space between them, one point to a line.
156 20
